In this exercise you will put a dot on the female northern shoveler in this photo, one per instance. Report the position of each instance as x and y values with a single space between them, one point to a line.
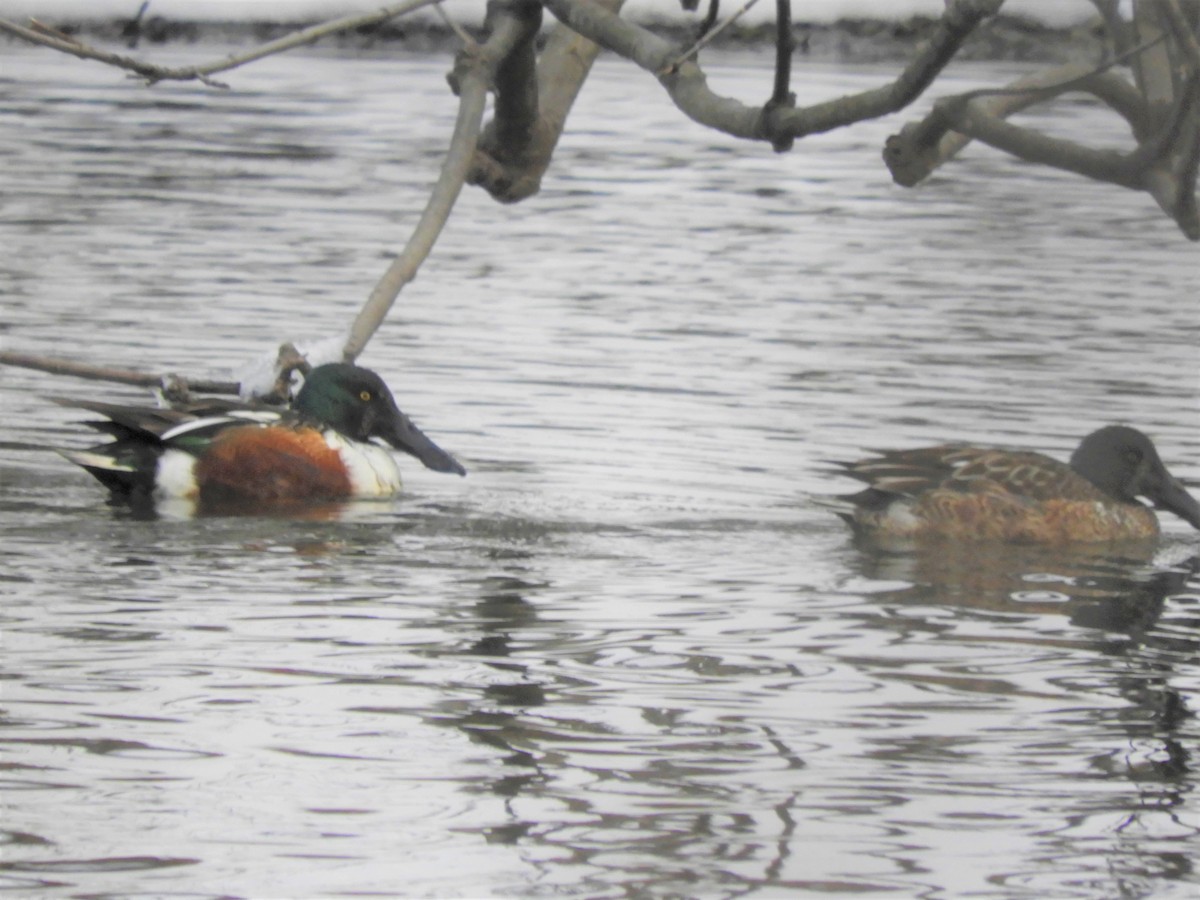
960 492
220 452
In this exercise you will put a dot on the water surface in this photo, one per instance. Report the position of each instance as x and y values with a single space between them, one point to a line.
627 655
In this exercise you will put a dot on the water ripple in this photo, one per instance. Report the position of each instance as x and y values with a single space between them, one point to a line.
628 656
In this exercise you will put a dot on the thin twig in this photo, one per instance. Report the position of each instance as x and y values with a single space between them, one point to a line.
132 32
710 18
450 23
781 96
708 38
910 154
784 47
153 73
1183 34
1051 90
51 31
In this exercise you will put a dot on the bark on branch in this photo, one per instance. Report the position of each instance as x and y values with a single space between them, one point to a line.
76 369
174 387
511 26
512 172
685 82
1162 109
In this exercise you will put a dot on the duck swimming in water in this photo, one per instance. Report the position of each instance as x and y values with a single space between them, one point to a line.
962 492
324 447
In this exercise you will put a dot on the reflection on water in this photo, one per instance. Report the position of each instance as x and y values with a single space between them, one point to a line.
626 656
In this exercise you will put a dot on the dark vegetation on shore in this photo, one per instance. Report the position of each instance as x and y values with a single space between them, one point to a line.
851 40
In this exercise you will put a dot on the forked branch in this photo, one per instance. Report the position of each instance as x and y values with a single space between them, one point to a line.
1168 134
685 82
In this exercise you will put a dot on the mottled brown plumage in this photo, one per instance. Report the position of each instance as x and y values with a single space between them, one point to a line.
954 491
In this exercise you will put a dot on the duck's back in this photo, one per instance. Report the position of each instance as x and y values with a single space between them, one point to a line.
974 493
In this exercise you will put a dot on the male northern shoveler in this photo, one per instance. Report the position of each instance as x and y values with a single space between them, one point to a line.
219 452
960 492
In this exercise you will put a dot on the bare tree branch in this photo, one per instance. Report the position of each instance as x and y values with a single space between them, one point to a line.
1110 14
534 96
781 96
920 147
149 71
1161 164
132 32
1171 160
710 17
687 87
567 57
516 88
1152 69
1184 32
450 23
175 388
710 34
510 24
1147 168
57 366
1033 146
153 73
562 68
785 46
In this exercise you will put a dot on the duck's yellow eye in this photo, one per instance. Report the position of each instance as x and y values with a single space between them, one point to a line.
364 396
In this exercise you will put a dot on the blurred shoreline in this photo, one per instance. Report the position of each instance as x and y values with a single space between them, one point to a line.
1005 38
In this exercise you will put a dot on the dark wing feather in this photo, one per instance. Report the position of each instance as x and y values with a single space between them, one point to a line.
128 422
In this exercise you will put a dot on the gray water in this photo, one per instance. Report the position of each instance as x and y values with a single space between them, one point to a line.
628 655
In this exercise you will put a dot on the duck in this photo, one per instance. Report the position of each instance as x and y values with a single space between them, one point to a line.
957 491
215 452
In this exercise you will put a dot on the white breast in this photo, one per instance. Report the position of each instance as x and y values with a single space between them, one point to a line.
373 470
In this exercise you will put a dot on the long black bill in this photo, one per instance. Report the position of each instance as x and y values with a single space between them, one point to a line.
1169 493
399 431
